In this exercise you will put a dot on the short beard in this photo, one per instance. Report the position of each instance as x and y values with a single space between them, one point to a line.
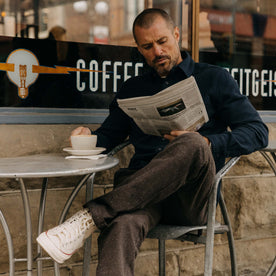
163 70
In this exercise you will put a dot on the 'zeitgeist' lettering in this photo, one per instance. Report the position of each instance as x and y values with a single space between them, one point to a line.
110 73
253 82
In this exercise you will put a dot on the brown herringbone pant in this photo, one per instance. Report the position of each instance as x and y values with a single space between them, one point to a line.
173 188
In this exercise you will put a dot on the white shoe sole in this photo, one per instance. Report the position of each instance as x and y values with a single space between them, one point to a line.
51 249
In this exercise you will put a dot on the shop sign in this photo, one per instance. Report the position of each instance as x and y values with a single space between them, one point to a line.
53 74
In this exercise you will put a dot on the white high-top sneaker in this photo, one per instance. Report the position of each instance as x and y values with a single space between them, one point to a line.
62 241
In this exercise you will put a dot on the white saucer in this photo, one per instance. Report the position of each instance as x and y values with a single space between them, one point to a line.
84 152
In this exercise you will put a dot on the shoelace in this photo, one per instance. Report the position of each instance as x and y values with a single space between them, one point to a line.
70 231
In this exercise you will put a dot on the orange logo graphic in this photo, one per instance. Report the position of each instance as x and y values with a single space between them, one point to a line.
23 68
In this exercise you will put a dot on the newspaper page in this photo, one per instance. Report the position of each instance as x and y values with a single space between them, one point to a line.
178 107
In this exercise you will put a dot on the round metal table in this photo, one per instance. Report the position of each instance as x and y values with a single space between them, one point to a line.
45 166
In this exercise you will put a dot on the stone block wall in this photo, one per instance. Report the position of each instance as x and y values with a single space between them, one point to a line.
249 191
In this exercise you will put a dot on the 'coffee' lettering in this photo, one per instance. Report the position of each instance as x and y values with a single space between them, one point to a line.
108 72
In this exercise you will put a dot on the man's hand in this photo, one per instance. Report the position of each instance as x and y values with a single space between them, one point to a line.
175 133
81 131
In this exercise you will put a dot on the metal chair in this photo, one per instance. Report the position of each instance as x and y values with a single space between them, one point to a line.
198 234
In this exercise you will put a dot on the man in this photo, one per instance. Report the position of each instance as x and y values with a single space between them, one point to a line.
169 178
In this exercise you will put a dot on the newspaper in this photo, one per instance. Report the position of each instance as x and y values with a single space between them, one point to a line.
178 107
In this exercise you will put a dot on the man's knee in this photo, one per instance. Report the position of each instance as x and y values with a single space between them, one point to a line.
190 146
193 141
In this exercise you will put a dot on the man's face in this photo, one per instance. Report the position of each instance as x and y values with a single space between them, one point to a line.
159 46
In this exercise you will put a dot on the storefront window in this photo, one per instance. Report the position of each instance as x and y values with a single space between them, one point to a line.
81 51
88 21
91 21
240 26
225 26
240 36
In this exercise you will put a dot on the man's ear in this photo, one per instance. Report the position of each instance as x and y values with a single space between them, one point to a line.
176 33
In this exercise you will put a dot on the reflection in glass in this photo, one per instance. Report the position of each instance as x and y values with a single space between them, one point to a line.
92 21
240 36
88 21
238 26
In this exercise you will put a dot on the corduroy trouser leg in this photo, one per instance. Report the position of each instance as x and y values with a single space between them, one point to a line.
174 188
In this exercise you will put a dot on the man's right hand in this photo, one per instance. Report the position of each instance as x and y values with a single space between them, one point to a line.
81 131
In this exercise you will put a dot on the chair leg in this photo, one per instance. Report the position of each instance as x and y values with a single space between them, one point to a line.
272 268
162 257
209 246
230 237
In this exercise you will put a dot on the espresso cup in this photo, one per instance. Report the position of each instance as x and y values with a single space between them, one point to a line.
83 142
